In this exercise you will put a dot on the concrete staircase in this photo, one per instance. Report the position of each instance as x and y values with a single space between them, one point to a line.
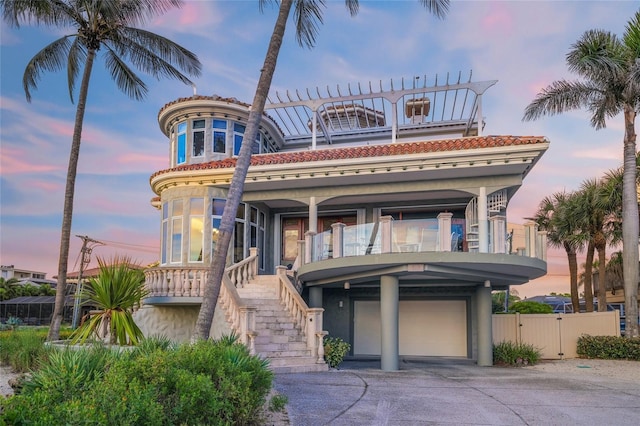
278 338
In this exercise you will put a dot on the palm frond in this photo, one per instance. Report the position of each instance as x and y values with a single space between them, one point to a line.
50 58
126 80
77 57
598 55
439 8
562 96
48 13
631 37
307 16
353 6
154 54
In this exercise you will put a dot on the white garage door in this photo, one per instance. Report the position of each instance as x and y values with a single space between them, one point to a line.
427 328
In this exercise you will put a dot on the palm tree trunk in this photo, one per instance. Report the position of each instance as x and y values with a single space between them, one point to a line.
588 281
234 196
630 225
573 276
602 270
67 213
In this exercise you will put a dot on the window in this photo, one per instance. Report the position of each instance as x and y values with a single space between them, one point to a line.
217 208
238 134
182 143
198 138
165 232
220 136
196 229
176 231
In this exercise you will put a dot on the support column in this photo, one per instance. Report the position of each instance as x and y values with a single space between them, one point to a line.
313 214
485 333
444 231
315 297
483 224
389 323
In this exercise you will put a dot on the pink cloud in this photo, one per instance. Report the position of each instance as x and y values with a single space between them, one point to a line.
498 20
13 163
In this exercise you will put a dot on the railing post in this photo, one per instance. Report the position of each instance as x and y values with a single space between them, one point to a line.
386 237
499 234
314 325
530 230
542 243
338 239
302 245
253 253
320 335
444 231
309 253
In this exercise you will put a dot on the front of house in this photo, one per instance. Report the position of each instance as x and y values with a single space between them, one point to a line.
383 209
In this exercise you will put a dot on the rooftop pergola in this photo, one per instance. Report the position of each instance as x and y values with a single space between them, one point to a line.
313 118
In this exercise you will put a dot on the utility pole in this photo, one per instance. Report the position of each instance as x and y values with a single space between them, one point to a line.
88 245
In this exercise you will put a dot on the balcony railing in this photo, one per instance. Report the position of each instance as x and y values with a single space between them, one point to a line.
422 235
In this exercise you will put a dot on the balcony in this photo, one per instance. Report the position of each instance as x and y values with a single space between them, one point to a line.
424 252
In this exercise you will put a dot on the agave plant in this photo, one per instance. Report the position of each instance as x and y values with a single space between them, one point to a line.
116 293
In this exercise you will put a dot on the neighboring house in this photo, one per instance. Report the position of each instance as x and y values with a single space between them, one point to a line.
10 271
559 304
386 206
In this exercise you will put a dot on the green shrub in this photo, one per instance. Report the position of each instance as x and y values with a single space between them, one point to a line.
529 307
516 354
155 384
609 347
278 402
335 350
21 349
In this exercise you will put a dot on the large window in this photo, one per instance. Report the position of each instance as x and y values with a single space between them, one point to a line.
219 136
182 143
238 247
176 231
217 208
165 232
238 134
196 229
198 138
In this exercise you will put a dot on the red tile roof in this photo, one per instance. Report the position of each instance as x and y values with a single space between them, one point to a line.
459 144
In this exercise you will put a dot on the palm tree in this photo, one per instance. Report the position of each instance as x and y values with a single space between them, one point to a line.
116 292
610 69
9 288
555 215
594 210
307 15
98 24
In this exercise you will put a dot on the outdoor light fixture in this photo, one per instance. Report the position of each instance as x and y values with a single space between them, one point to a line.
347 285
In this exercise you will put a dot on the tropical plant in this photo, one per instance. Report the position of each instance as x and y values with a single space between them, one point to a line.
555 215
306 13
98 24
9 288
610 70
335 349
515 354
116 292
498 300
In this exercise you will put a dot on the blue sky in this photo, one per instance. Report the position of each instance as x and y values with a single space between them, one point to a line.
520 44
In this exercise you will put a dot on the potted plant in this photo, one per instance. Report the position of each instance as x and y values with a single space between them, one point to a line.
115 293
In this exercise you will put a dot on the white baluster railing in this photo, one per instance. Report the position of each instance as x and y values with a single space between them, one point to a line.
308 320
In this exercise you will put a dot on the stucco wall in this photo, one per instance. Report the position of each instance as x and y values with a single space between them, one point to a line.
177 322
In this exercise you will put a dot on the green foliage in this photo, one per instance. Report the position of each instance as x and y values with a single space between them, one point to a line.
609 347
115 292
157 383
21 348
515 354
529 307
335 350
277 403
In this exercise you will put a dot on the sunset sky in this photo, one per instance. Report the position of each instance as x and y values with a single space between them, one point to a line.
520 44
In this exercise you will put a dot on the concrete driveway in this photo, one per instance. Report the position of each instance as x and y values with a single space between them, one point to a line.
444 391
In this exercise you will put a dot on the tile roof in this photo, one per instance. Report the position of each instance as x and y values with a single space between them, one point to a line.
458 144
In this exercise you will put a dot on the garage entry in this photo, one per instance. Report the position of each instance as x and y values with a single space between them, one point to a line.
427 327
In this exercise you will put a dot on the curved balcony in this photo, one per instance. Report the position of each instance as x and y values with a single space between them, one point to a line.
421 252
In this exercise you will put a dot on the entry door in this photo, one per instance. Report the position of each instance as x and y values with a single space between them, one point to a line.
427 328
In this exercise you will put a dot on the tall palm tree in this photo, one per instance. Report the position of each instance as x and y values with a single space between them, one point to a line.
107 25
9 288
594 209
610 70
555 215
307 14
